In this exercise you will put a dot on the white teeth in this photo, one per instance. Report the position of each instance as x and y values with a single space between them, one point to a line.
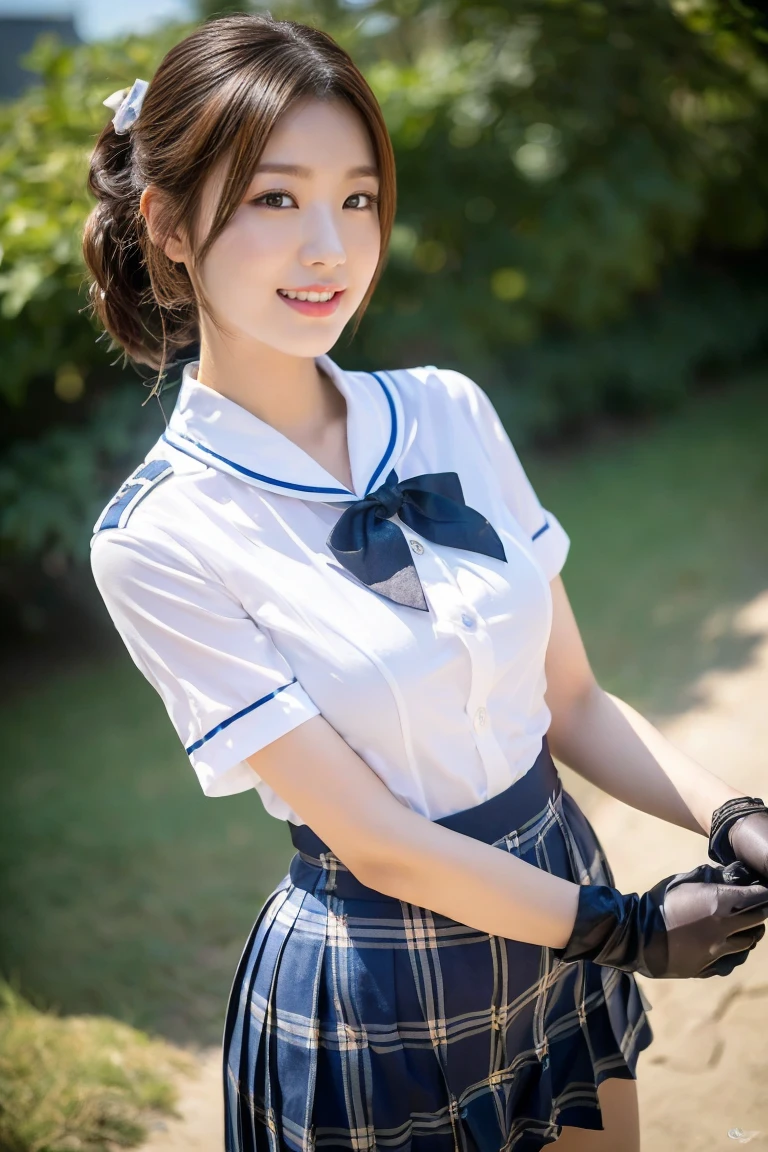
313 297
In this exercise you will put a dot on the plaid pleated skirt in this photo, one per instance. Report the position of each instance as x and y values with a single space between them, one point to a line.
359 1021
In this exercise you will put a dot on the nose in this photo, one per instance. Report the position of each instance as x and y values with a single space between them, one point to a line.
322 242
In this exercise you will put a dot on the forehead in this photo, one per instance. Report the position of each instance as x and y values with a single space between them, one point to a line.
320 134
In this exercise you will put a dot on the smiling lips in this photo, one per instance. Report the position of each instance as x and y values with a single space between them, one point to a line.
317 300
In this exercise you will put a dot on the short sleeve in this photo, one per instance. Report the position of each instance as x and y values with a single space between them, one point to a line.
549 540
227 689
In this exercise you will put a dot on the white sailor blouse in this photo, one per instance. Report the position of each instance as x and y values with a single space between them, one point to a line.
255 591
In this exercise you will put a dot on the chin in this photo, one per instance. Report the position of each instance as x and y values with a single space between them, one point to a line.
306 336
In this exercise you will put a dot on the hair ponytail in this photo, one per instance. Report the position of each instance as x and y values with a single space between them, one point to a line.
122 297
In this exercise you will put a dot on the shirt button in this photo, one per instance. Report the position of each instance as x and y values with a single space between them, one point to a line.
481 717
467 620
417 546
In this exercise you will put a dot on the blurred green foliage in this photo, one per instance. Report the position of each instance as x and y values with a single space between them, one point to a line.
582 215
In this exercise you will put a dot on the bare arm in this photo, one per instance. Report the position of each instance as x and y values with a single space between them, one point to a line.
405 855
609 743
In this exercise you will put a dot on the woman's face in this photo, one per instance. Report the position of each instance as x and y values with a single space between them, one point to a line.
309 222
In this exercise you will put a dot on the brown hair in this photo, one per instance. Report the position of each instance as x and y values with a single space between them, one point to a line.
220 91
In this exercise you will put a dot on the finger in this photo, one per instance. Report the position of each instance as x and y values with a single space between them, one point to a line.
739 921
736 898
740 942
750 938
725 964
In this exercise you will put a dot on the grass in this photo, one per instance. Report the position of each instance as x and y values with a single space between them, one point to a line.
669 538
85 1083
126 892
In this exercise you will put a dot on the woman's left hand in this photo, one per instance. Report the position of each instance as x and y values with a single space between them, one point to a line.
749 840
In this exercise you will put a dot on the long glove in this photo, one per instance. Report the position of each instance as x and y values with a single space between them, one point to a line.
699 923
740 832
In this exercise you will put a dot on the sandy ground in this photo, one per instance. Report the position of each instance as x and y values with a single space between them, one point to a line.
705 1079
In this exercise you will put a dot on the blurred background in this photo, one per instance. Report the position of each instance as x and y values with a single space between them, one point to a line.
583 228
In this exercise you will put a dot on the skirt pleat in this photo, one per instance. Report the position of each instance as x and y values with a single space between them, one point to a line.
291 1026
360 1021
238 1033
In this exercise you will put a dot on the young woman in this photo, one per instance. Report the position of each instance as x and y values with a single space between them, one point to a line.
347 593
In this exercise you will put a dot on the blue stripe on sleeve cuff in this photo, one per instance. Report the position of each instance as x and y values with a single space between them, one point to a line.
546 525
237 716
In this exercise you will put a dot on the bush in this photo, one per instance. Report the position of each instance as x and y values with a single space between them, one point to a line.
582 194
83 1082
55 485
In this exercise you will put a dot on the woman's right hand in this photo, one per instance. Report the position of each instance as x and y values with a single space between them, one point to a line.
699 923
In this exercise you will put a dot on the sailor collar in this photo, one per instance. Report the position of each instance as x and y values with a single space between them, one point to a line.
218 432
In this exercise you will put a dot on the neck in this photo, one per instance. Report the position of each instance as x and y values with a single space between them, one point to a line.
290 393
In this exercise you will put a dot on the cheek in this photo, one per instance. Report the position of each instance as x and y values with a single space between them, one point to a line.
365 244
246 252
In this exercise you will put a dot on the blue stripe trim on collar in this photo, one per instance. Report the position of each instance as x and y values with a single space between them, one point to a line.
237 716
256 475
546 525
392 435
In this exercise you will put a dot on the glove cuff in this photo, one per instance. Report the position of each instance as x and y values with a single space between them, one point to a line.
600 910
625 932
720 848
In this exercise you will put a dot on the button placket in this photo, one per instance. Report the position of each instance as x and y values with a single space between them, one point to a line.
480 647
453 611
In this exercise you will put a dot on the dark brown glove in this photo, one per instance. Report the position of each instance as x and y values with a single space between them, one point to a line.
699 923
740 832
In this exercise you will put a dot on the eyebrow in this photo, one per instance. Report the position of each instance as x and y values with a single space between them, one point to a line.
300 170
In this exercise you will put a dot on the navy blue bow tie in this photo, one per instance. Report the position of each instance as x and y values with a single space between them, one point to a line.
375 550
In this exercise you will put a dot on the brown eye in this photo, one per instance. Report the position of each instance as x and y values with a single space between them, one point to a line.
267 196
371 197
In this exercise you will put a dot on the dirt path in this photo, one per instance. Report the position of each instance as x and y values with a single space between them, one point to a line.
707 1072
200 1105
706 1075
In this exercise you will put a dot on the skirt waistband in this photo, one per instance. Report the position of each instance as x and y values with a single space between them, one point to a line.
494 819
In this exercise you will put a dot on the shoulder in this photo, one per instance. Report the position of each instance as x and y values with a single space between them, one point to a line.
134 529
155 487
141 482
452 402
443 389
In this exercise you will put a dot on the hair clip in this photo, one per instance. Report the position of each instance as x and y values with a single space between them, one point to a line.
127 104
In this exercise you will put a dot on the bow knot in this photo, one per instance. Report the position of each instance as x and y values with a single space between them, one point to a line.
388 499
370 546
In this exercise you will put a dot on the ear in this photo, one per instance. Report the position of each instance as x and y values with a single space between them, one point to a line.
150 206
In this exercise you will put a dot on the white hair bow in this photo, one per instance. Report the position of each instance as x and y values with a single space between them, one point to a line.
127 104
